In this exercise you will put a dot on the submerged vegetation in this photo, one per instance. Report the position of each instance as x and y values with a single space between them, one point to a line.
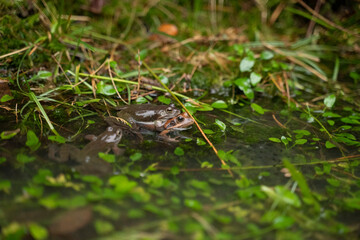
273 88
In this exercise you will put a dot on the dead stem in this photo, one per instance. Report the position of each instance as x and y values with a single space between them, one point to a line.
113 83
317 15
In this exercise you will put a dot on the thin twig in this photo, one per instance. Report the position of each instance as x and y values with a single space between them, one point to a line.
113 83
15 52
312 22
317 15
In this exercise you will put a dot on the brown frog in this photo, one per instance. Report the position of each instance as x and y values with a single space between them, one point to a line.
144 115
147 118
88 158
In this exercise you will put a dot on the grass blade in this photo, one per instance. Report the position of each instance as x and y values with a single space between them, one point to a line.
42 110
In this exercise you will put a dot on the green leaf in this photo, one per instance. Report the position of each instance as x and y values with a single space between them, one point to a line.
283 222
105 89
239 49
331 115
334 182
141 100
302 132
193 204
282 195
106 212
304 187
300 141
103 227
266 55
220 124
352 203
355 75
200 142
9 134
2 160
107 157
245 86
257 108
206 165
32 141
208 131
22 158
329 145
122 183
331 122
330 100
85 102
143 53
179 151
44 74
34 191
6 98
349 120
255 78
38 232
246 64
164 79
164 99
5 185
136 156
219 104
275 140
113 64
284 140
58 139
155 180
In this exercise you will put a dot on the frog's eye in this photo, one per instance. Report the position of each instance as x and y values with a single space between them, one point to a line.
169 109
180 118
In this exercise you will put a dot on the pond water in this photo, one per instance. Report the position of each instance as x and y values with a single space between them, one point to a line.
158 190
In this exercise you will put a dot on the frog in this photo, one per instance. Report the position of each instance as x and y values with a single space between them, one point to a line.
163 125
144 115
88 158
135 119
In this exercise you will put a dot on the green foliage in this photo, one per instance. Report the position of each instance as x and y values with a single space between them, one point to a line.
5 185
107 157
164 99
38 232
103 227
329 101
136 156
246 64
257 108
179 151
220 124
58 139
32 141
219 104
8 134
6 98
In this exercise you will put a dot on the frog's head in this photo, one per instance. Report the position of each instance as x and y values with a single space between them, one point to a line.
180 122
167 111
